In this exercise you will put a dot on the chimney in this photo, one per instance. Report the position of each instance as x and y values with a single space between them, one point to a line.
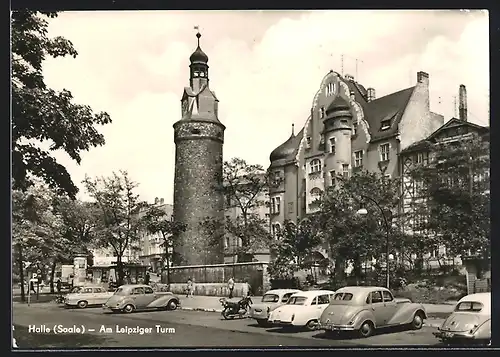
349 77
423 77
161 201
370 94
156 200
462 103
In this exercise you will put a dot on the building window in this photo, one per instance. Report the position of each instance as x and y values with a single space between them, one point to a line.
275 205
290 207
308 142
345 170
358 158
332 145
276 230
385 124
316 194
384 152
354 129
344 122
330 88
315 166
322 112
333 176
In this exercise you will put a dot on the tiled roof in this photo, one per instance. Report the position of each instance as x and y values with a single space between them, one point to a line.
286 151
390 107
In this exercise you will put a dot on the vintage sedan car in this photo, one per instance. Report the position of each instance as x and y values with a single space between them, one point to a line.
270 301
469 323
302 309
128 298
363 309
88 295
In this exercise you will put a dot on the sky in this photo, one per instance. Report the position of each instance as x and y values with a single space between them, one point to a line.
265 66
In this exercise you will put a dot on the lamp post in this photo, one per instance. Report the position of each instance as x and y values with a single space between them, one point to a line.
363 211
170 251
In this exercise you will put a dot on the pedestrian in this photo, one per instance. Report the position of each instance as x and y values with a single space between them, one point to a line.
58 286
146 278
247 289
230 286
32 286
192 287
189 287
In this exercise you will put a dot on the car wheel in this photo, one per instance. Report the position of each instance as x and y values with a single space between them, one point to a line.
82 304
263 323
418 321
172 305
311 325
128 308
366 329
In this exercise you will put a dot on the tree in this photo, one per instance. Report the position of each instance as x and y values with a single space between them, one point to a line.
456 211
42 114
244 186
350 236
155 221
292 248
118 225
35 229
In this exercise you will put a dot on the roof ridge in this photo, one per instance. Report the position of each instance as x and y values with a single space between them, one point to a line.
393 93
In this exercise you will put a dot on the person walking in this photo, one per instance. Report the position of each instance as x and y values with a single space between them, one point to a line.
189 287
230 286
192 287
147 278
32 286
58 286
247 289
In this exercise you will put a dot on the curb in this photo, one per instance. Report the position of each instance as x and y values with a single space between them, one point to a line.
199 309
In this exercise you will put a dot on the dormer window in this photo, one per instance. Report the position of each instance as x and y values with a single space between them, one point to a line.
385 124
308 142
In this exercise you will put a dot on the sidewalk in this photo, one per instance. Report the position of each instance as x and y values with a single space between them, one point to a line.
436 312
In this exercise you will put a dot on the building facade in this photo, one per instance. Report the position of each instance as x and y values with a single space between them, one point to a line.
349 129
199 138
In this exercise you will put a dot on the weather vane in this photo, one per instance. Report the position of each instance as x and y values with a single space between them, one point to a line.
198 34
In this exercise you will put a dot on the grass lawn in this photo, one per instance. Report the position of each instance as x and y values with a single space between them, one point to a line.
27 340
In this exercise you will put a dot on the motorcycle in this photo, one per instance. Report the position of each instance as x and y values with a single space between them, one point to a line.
60 299
233 309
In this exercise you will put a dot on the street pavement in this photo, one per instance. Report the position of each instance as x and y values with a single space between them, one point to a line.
184 329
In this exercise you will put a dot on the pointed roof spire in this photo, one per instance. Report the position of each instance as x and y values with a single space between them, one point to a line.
198 55
293 131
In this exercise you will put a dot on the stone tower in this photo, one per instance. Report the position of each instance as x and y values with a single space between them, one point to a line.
199 137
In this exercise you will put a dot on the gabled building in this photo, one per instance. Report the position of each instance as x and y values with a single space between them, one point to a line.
348 129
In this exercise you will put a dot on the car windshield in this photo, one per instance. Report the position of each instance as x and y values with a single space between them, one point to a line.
342 299
297 300
473 306
270 298
120 291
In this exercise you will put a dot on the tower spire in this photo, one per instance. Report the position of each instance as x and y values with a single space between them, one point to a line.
293 131
198 34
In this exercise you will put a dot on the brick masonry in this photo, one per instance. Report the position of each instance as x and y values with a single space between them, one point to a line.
198 175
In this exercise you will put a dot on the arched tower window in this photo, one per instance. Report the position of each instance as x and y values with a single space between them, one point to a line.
316 193
315 166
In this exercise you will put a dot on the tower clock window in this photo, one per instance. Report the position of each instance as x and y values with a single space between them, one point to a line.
196 74
202 74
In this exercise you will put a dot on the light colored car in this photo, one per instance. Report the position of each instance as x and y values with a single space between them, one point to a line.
470 322
270 301
302 309
128 298
364 309
87 295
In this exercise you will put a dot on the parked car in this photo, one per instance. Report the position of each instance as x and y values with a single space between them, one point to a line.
302 309
88 295
270 301
470 321
128 298
364 309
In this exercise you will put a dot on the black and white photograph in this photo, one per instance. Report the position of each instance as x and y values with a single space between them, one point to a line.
250 179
